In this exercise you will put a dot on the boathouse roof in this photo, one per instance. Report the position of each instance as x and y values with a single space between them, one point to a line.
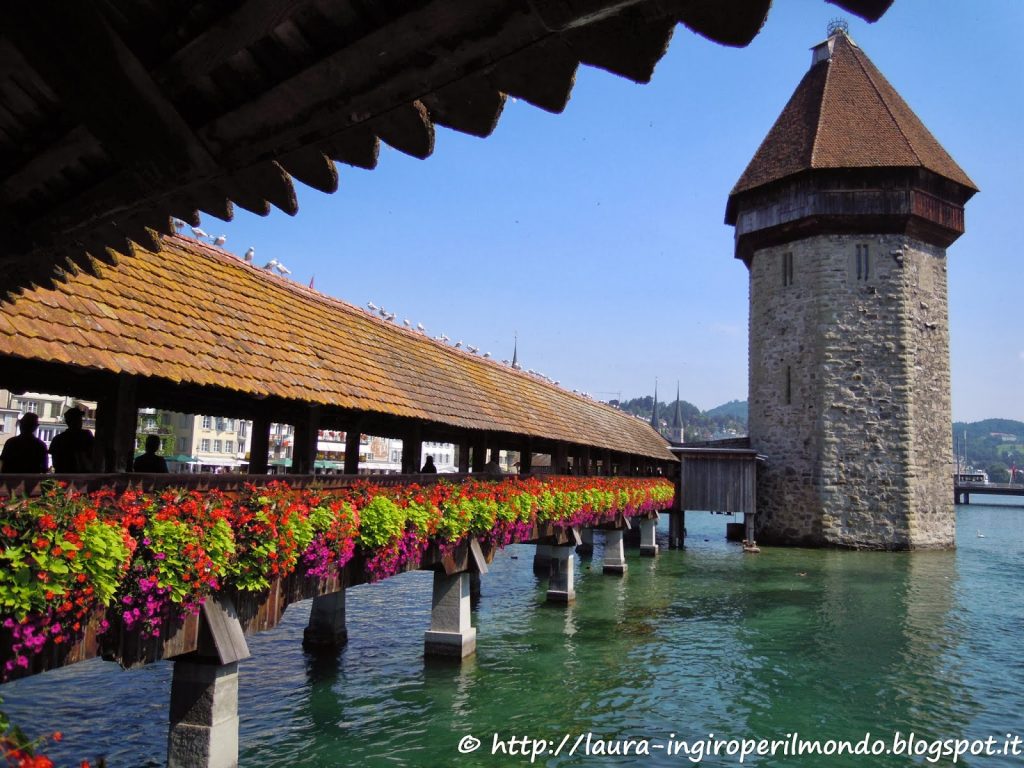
844 114
118 116
194 315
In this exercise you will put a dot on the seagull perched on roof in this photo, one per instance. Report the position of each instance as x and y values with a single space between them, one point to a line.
220 239
444 337
250 254
198 232
178 224
474 350
372 306
457 344
406 323
383 312
487 354
419 327
275 264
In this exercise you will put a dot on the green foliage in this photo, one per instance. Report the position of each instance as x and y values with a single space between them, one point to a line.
380 521
977 446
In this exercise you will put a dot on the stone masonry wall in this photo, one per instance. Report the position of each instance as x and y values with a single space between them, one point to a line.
849 393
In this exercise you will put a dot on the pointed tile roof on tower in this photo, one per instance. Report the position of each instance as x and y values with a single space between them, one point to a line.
845 114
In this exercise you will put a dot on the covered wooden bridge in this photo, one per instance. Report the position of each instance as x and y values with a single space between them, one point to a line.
196 330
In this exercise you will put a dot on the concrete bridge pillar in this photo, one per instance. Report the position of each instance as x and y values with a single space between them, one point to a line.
326 629
648 544
542 560
560 584
450 633
614 553
587 545
204 713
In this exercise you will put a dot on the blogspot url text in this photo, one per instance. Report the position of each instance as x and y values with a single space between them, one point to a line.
589 744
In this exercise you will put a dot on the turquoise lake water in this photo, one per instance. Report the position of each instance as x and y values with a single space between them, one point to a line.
827 644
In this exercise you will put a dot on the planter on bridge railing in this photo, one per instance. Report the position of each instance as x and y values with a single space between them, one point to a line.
125 574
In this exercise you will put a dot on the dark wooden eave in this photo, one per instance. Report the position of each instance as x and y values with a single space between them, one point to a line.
116 116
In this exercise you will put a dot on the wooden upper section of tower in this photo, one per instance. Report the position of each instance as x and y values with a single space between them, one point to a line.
848 154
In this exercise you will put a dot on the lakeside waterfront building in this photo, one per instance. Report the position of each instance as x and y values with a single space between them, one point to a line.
842 218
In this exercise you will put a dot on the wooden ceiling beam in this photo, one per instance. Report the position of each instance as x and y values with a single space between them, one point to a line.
109 91
407 128
249 23
358 147
543 74
418 52
471 105
629 44
312 168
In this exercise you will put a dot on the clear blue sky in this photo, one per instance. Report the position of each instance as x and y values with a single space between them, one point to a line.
598 234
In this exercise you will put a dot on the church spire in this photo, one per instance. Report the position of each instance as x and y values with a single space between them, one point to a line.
654 409
676 432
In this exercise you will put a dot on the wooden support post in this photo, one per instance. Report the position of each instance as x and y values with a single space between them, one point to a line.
586 546
479 454
412 450
352 439
676 529
326 630
560 578
748 520
525 457
542 560
307 431
474 588
559 459
450 633
606 461
117 420
463 456
259 444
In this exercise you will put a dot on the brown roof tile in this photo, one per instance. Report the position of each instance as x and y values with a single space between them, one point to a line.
845 114
196 314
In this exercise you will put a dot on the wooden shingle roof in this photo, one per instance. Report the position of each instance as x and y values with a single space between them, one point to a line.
845 114
116 116
194 314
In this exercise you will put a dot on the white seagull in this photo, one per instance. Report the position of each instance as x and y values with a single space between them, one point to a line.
372 306
250 254
220 239
198 232
406 323
419 327
458 344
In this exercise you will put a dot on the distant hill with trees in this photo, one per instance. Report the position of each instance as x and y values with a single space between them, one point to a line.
727 420
994 445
